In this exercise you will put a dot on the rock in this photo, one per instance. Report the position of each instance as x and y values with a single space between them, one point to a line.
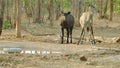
118 40
83 58
12 50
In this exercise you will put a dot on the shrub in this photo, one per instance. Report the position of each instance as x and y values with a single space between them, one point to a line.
6 24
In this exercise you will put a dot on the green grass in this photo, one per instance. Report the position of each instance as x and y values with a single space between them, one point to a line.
2 58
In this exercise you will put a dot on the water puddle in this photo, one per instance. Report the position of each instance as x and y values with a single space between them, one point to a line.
32 52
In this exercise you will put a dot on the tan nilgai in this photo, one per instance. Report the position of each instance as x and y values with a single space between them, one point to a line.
86 22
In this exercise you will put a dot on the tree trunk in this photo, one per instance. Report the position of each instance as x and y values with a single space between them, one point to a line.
79 11
111 10
101 8
7 15
58 5
18 20
105 9
39 13
1 14
48 8
51 12
14 13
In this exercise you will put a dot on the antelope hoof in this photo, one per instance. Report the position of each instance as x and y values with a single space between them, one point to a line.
61 42
93 42
67 42
78 42
81 42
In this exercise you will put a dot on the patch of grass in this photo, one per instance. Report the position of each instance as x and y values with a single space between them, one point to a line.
2 58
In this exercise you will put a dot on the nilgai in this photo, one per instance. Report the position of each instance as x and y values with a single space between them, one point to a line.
67 22
86 22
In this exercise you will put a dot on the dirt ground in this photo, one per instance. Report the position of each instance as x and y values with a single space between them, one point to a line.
43 37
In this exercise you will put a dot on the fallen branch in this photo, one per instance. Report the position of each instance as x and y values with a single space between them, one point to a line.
50 34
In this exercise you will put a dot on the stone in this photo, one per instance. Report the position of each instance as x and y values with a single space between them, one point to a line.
83 58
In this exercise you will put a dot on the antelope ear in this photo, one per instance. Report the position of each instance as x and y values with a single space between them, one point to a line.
69 12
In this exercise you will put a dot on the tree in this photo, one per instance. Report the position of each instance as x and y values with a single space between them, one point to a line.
39 12
101 8
7 12
14 14
50 8
76 6
29 9
18 19
111 10
58 5
105 9
2 4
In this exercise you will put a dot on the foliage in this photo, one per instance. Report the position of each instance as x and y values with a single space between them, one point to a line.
65 3
117 6
6 24
105 16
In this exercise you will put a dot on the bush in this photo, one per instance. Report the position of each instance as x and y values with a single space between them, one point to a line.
6 25
105 16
